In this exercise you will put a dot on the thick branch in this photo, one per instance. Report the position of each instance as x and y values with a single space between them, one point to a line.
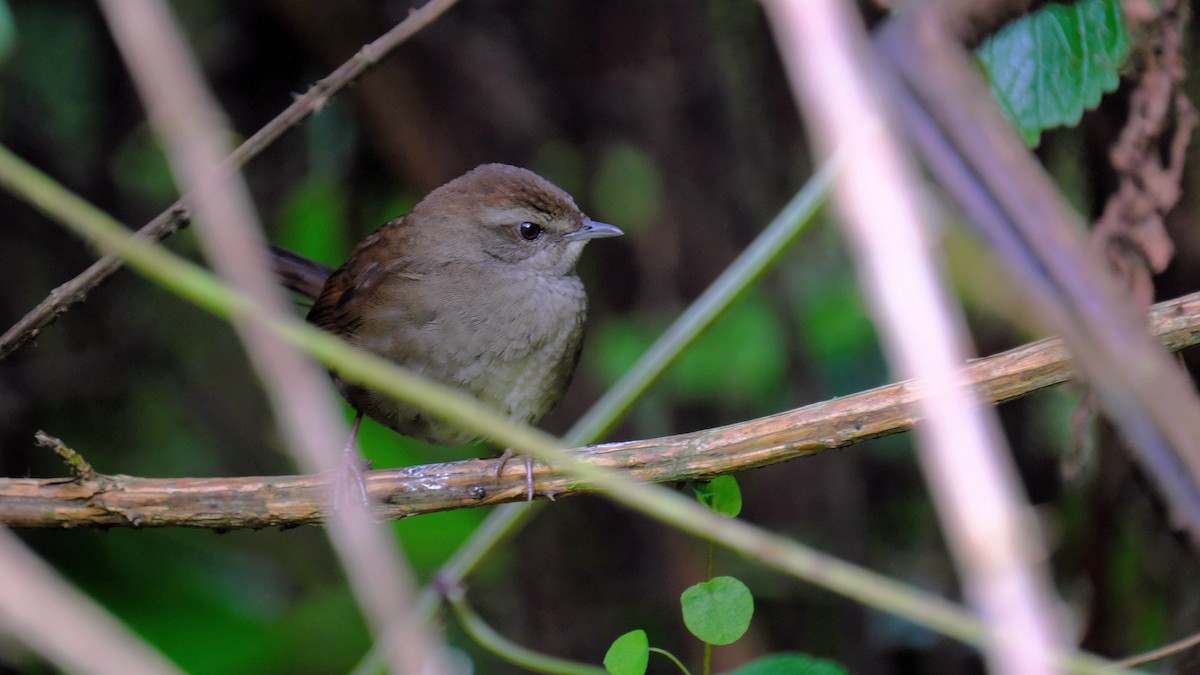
255 502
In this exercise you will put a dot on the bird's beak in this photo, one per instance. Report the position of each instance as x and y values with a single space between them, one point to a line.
593 230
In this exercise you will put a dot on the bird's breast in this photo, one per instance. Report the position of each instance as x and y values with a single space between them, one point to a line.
510 340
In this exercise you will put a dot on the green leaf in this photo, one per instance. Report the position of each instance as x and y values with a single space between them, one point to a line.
629 654
791 664
720 494
1048 67
718 611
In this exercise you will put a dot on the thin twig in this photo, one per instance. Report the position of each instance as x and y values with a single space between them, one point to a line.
510 651
165 224
76 290
1160 653
185 116
80 466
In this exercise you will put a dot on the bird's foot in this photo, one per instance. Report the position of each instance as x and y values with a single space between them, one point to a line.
507 455
349 481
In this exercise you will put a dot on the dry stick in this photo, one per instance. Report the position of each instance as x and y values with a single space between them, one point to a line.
988 523
281 501
185 116
165 224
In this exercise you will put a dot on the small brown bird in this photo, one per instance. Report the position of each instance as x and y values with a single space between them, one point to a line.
474 288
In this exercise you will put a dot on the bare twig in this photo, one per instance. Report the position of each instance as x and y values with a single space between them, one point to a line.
186 117
282 501
75 291
987 521
1160 653
83 470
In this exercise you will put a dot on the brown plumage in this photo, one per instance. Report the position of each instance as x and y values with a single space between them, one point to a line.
474 288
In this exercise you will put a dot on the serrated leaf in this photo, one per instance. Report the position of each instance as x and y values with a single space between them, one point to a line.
1048 67
791 664
718 611
629 654
720 494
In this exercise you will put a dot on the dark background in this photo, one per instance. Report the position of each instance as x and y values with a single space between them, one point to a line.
669 119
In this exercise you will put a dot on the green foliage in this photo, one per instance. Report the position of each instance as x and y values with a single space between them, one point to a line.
617 345
8 30
740 360
1048 67
790 664
718 611
741 356
59 88
720 494
313 221
429 541
627 191
629 654
140 169
561 163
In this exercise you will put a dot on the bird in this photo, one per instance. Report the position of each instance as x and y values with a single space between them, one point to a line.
474 288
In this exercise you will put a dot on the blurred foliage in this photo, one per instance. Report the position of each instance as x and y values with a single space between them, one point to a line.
670 120
627 189
8 32
739 360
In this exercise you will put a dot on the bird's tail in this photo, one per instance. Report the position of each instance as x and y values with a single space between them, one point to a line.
299 274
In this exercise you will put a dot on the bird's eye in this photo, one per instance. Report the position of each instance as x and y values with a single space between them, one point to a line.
529 231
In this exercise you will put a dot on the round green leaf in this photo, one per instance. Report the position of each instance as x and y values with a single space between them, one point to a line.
720 494
718 611
791 664
628 654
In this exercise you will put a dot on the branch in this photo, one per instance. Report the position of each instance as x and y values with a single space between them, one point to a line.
286 501
177 215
